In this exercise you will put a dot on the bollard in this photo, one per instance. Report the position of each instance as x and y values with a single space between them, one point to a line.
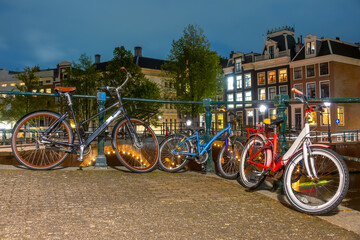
207 105
279 102
101 159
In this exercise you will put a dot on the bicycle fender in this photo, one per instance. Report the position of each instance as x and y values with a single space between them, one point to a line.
312 145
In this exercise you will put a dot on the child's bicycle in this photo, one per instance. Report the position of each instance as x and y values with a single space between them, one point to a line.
43 139
176 151
315 178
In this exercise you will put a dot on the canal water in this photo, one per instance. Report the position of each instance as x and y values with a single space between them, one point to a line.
352 199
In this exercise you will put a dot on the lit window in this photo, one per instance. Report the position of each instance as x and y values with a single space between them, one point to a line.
340 115
41 90
326 116
324 89
3 85
230 83
261 78
283 90
310 71
262 94
230 98
238 81
324 68
310 47
283 75
271 77
311 90
313 121
248 80
12 84
272 113
22 84
48 90
248 97
297 73
239 98
272 92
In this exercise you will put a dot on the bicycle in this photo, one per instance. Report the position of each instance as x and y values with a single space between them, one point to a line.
315 178
43 139
176 151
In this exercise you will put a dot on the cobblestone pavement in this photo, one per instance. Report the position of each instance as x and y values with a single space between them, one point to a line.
115 204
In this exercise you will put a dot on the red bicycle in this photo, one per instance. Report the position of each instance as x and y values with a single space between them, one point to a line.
315 178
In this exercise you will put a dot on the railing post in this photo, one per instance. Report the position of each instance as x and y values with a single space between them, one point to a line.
279 102
207 105
101 159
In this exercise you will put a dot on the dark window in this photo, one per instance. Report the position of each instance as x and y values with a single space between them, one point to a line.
271 52
310 71
324 68
324 90
297 73
311 90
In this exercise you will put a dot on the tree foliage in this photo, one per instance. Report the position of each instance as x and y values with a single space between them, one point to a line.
12 108
137 87
85 77
195 70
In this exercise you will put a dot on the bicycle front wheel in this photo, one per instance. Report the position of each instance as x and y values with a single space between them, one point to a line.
251 175
138 156
170 160
33 153
316 195
228 162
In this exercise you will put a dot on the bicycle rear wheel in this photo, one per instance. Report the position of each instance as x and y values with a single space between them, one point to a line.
321 195
251 175
228 162
141 157
169 160
26 144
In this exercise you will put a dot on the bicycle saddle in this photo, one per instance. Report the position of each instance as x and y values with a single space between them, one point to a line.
276 121
65 89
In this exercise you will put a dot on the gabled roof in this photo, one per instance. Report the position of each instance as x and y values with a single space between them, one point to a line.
331 46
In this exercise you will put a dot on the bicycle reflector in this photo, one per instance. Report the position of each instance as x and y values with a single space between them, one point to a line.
267 121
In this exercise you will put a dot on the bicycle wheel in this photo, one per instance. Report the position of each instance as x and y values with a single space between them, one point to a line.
138 157
169 161
251 175
321 195
26 144
228 161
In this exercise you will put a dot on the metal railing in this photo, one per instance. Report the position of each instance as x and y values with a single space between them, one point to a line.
281 102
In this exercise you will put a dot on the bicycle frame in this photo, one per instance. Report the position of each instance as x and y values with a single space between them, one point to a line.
202 148
97 132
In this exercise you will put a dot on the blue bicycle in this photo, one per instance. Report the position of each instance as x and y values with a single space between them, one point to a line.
176 151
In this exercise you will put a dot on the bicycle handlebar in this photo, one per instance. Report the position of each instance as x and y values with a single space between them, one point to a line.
116 89
298 92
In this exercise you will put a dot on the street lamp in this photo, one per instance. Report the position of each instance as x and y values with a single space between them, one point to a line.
327 105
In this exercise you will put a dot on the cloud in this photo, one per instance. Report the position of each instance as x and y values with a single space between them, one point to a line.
44 47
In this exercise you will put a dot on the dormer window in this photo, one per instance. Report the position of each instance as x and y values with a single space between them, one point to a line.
271 52
310 47
238 65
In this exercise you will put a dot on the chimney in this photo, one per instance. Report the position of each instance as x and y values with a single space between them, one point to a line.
138 52
97 58
337 38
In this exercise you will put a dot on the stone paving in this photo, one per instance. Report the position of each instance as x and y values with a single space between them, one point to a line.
115 204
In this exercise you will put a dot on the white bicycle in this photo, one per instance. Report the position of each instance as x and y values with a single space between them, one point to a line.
315 178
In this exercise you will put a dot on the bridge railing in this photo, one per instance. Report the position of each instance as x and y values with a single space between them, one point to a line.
280 102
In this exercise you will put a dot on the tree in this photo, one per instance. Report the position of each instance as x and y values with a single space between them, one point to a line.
195 70
85 77
138 86
12 108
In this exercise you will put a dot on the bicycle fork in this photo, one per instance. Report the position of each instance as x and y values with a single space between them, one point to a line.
309 161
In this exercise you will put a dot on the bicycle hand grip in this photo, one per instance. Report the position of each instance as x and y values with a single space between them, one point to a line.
294 90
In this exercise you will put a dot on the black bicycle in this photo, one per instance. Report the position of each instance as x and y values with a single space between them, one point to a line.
44 139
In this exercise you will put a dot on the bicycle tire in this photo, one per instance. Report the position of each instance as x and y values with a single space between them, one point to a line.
28 149
250 175
322 195
138 159
170 162
228 161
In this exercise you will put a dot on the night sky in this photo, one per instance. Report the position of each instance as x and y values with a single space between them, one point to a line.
46 32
